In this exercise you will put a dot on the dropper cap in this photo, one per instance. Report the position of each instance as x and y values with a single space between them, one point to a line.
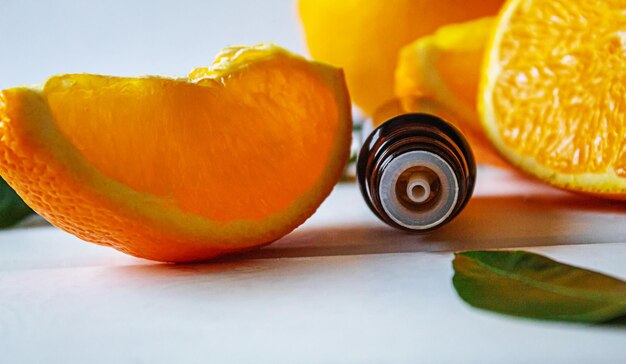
416 172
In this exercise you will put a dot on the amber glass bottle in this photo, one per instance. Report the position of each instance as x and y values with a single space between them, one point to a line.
416 171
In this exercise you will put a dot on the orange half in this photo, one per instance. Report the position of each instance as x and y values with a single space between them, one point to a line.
552 92
232 157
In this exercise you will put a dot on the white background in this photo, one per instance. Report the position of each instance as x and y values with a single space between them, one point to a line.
126 38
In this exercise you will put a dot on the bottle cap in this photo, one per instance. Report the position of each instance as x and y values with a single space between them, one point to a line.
416 172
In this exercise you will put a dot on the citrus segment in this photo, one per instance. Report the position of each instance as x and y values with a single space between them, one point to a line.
552 94
180 169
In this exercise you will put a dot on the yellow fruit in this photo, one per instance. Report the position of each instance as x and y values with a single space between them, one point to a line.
552 92
364 36
445 66
230 158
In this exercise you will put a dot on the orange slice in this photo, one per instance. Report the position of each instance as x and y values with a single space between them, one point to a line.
233 157
445 67
552 92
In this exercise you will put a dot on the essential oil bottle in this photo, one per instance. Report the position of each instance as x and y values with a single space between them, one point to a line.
416 172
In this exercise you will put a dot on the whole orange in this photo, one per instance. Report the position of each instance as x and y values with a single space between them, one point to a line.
365 36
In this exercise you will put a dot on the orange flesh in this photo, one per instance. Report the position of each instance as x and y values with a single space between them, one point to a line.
246 172
578 126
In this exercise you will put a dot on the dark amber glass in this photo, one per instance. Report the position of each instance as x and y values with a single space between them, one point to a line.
416 172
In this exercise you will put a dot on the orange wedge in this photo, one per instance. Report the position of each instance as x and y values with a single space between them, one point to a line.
552 92
232 157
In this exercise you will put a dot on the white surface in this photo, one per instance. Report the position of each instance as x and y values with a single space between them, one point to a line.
343 288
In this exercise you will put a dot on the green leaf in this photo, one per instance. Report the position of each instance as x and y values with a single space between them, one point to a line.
12 208
530 285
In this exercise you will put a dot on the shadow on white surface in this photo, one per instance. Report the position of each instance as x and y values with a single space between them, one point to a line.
488 222
506 212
